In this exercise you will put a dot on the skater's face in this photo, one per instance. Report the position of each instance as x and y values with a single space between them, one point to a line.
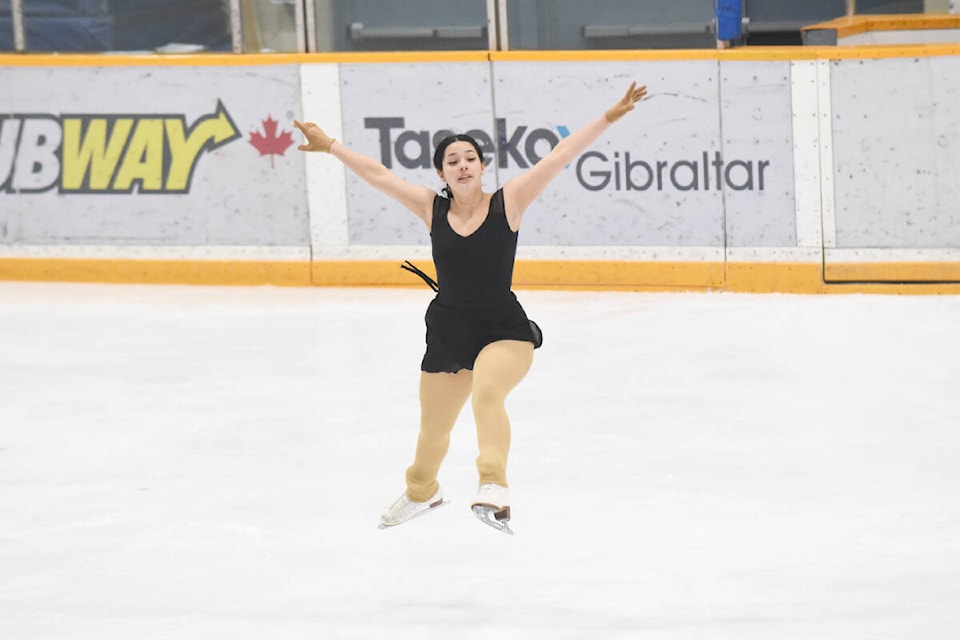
462 166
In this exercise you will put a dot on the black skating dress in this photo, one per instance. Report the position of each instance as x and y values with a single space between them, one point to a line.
474 305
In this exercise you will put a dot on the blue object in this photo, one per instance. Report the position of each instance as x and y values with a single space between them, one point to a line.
729 19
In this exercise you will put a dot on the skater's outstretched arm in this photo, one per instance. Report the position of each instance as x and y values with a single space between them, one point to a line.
414 197
519 192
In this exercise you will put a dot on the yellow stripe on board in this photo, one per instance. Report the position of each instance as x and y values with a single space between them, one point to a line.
366 273
594 274
892 271
883 51
758 54
229 59
590 275
846 26
145 60
200 272
773 277
606 55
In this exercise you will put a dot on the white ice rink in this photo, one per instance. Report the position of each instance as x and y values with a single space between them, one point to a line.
210 464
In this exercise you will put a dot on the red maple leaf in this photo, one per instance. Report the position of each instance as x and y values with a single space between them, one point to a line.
271 144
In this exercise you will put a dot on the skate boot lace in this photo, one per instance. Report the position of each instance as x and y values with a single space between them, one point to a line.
404 507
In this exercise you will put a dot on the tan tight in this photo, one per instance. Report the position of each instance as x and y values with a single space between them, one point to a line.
498 369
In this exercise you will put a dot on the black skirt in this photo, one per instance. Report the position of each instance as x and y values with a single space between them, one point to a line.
458 331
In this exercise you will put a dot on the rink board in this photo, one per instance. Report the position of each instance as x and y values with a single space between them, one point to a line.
782 169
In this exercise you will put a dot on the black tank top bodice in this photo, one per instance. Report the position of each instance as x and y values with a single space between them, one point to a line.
478 267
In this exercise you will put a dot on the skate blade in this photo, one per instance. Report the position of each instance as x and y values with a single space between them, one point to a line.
432 508
488 516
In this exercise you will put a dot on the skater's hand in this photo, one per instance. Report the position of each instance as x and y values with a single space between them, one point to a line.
633 96
317 140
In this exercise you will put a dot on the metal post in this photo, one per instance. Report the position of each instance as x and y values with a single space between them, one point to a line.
236 26
503 32
19 31
301 30
492 25
311 12
851 7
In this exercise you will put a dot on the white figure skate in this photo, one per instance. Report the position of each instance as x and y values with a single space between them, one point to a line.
492 507
404 509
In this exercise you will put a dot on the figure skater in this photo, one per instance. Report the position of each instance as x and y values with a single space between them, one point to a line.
479 341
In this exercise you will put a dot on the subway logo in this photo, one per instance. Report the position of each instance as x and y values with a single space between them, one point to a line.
107 153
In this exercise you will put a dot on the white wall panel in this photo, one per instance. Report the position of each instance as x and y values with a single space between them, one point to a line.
896 152
325 176
759 202
806 152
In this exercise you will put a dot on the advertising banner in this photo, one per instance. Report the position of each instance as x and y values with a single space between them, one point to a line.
660 177
159 156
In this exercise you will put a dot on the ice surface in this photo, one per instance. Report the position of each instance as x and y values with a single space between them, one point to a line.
210 463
